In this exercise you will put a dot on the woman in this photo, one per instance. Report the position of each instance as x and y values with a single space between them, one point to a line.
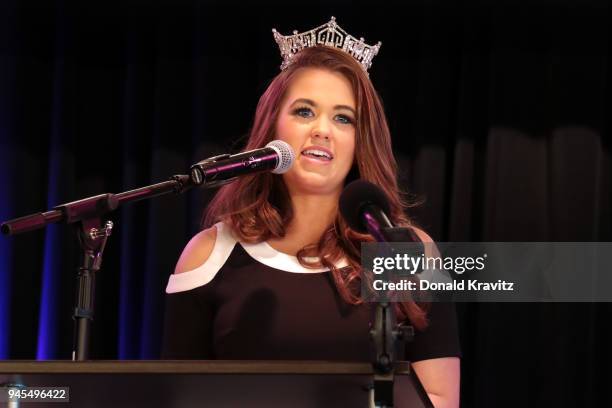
276 276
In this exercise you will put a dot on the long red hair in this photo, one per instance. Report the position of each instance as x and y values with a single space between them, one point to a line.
257 207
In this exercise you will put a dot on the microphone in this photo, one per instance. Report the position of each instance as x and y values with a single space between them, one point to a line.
365 206
276 157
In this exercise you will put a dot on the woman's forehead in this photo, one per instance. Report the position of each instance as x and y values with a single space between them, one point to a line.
321 85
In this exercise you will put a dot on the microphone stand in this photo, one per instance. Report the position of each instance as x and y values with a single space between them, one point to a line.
389 338
86 215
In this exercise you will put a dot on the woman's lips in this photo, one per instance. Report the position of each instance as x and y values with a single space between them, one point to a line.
319 149
316 160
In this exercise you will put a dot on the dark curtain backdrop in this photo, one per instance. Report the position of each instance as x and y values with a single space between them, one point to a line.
500 114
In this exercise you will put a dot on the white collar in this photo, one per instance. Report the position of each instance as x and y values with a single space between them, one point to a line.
264 253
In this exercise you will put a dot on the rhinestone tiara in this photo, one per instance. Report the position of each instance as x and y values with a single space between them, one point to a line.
329 34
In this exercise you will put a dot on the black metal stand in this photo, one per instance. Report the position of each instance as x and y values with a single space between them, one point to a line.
93 240
86 215
389 338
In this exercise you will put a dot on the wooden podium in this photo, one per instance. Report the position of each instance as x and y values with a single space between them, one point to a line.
210 383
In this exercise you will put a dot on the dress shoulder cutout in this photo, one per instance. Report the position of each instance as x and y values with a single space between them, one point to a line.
205 273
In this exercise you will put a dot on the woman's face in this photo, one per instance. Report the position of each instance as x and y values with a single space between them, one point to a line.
318 119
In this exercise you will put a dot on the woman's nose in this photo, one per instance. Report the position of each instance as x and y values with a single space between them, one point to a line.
322 129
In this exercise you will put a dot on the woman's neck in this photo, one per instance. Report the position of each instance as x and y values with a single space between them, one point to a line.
312 216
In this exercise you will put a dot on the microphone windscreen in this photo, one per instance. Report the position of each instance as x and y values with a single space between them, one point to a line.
355 196
285 155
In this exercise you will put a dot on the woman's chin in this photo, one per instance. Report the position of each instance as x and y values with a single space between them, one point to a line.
313 184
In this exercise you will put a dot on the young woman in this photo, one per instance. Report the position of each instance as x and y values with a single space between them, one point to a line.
276 273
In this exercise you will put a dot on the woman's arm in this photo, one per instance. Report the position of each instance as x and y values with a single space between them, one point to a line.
440 378
197 250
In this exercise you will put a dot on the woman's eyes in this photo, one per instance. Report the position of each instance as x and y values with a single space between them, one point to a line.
345 119
304 112
308 113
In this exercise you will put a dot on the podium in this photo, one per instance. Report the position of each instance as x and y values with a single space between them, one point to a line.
211 383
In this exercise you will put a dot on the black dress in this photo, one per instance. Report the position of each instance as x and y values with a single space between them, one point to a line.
251 302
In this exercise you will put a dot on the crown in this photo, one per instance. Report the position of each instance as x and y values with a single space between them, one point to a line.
329 34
